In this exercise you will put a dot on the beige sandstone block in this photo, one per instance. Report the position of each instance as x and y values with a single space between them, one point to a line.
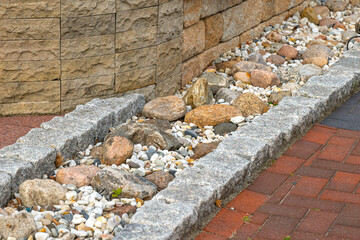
87 87
168 87
193 40
124 5
88 46
29 8
192 12
136 19
134 79
135 59
209 55
170 10
76 8
135 39
29 71
168 69
190 69
76 27
241 18
29 50
281 6
148 92
267 9
87 67
214 29
30 92
27 29
29 108
170 30
167 50
211 7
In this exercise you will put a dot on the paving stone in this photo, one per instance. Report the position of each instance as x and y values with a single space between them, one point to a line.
277 227
247 201
313 203
335 152
286 165
280 210
302 149
309 186
267 183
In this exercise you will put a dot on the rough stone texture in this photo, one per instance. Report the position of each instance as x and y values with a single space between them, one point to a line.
317 51
135 59
29 108
241 18
250 104
225 65
79 175
116 150
211 115
214 28
168 69
288 51
274 36
337 5
309 70
323 11
264 79
318 61
5 188
192 11
136 19
41 192
134 39
204 148
198 94
132 186
135 79
30 9
161 179
276 59
170 30
215 81
170 108
20 225
71 8
310 14
246 66
243 77
168 86
123 5
193 40
227 94
146 135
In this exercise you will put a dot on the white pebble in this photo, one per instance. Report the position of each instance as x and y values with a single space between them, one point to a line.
41 236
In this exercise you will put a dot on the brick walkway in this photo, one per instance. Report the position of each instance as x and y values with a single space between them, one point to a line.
311 192
11 128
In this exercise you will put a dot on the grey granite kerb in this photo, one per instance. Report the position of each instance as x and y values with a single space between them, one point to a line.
175 212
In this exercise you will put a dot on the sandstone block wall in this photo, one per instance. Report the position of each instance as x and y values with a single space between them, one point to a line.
57 54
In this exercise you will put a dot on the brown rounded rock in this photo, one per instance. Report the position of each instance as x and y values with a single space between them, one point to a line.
169 108
329 22
79 175
318 51
274 36
204 148
198 94
318 61
116 150
211 115
250 104
323 11
120 210
96 152
276 59
161 179
264 79
288 51
225 65
310 14
243 77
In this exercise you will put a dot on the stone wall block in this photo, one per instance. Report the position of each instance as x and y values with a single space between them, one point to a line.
170 10
136 19
167 50
27 29
241 18
88 67
190 69
75 8
29 9
214 29
148 92
267 9
135 79
135 39
168 86
135 59
88 46
168 69
29 108
193 40
29 50
29 71
76 27
30 92
88 87
170 30
192 12
124 5
281 6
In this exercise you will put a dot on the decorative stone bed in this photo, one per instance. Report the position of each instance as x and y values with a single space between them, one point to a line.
179 210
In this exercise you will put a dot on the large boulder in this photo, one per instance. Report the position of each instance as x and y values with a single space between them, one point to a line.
79 175
216 81
110 178
19 226
116 149
250 104
41 192
198 94
245 66
147 134
264 79
211 115
169 108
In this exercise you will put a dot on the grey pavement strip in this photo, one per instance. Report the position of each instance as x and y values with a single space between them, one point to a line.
34 154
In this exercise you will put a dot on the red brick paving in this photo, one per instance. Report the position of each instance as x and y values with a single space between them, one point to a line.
11 128
311 192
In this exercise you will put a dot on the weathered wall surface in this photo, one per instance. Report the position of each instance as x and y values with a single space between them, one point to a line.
57 54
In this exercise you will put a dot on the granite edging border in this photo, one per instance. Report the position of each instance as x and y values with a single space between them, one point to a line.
177 211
